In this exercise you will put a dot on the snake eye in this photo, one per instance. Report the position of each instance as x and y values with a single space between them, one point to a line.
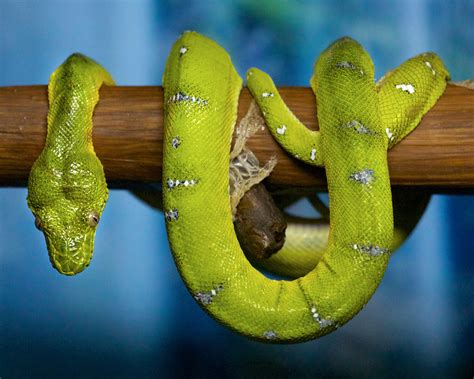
38 223
93 218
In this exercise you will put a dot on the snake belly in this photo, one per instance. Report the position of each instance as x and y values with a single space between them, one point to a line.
201 95
67 190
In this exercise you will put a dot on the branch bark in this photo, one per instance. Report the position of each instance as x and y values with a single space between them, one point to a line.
128 136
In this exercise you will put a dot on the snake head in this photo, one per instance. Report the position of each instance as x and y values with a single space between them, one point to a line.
67 211
69 232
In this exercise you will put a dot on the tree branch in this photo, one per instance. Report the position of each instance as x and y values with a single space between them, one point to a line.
128 136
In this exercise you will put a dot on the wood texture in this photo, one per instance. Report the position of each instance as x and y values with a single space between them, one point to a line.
128 134
259 224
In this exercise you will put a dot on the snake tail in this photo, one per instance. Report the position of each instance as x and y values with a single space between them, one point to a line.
67 190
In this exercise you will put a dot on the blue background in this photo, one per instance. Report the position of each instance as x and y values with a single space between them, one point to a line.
129 315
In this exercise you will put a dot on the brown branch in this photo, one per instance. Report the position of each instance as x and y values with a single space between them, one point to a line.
128 133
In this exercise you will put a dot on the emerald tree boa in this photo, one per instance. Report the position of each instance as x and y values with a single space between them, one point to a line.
359 120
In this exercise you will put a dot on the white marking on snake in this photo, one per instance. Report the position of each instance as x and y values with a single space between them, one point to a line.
431 67
358 127
181 96
364 176
312 155
323 323
345 64
174 183
281 130
349 65
175 142
182 51
390 135
270 335
406 88
374 250
267 94
172 215
206 298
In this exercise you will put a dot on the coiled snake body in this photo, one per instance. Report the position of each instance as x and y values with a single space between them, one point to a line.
358 122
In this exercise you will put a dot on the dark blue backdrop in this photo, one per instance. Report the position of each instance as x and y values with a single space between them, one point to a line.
129 315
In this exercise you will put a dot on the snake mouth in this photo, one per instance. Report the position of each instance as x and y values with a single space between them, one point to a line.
71 260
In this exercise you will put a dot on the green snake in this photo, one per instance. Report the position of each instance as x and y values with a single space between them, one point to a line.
306 238
67 190
358 120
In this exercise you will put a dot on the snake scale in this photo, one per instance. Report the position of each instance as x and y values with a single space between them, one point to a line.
358 120
67 190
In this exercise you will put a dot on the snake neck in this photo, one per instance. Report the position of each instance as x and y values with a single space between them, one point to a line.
68 132
73 93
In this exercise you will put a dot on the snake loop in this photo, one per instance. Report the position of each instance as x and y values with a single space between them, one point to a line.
358 119
351 144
